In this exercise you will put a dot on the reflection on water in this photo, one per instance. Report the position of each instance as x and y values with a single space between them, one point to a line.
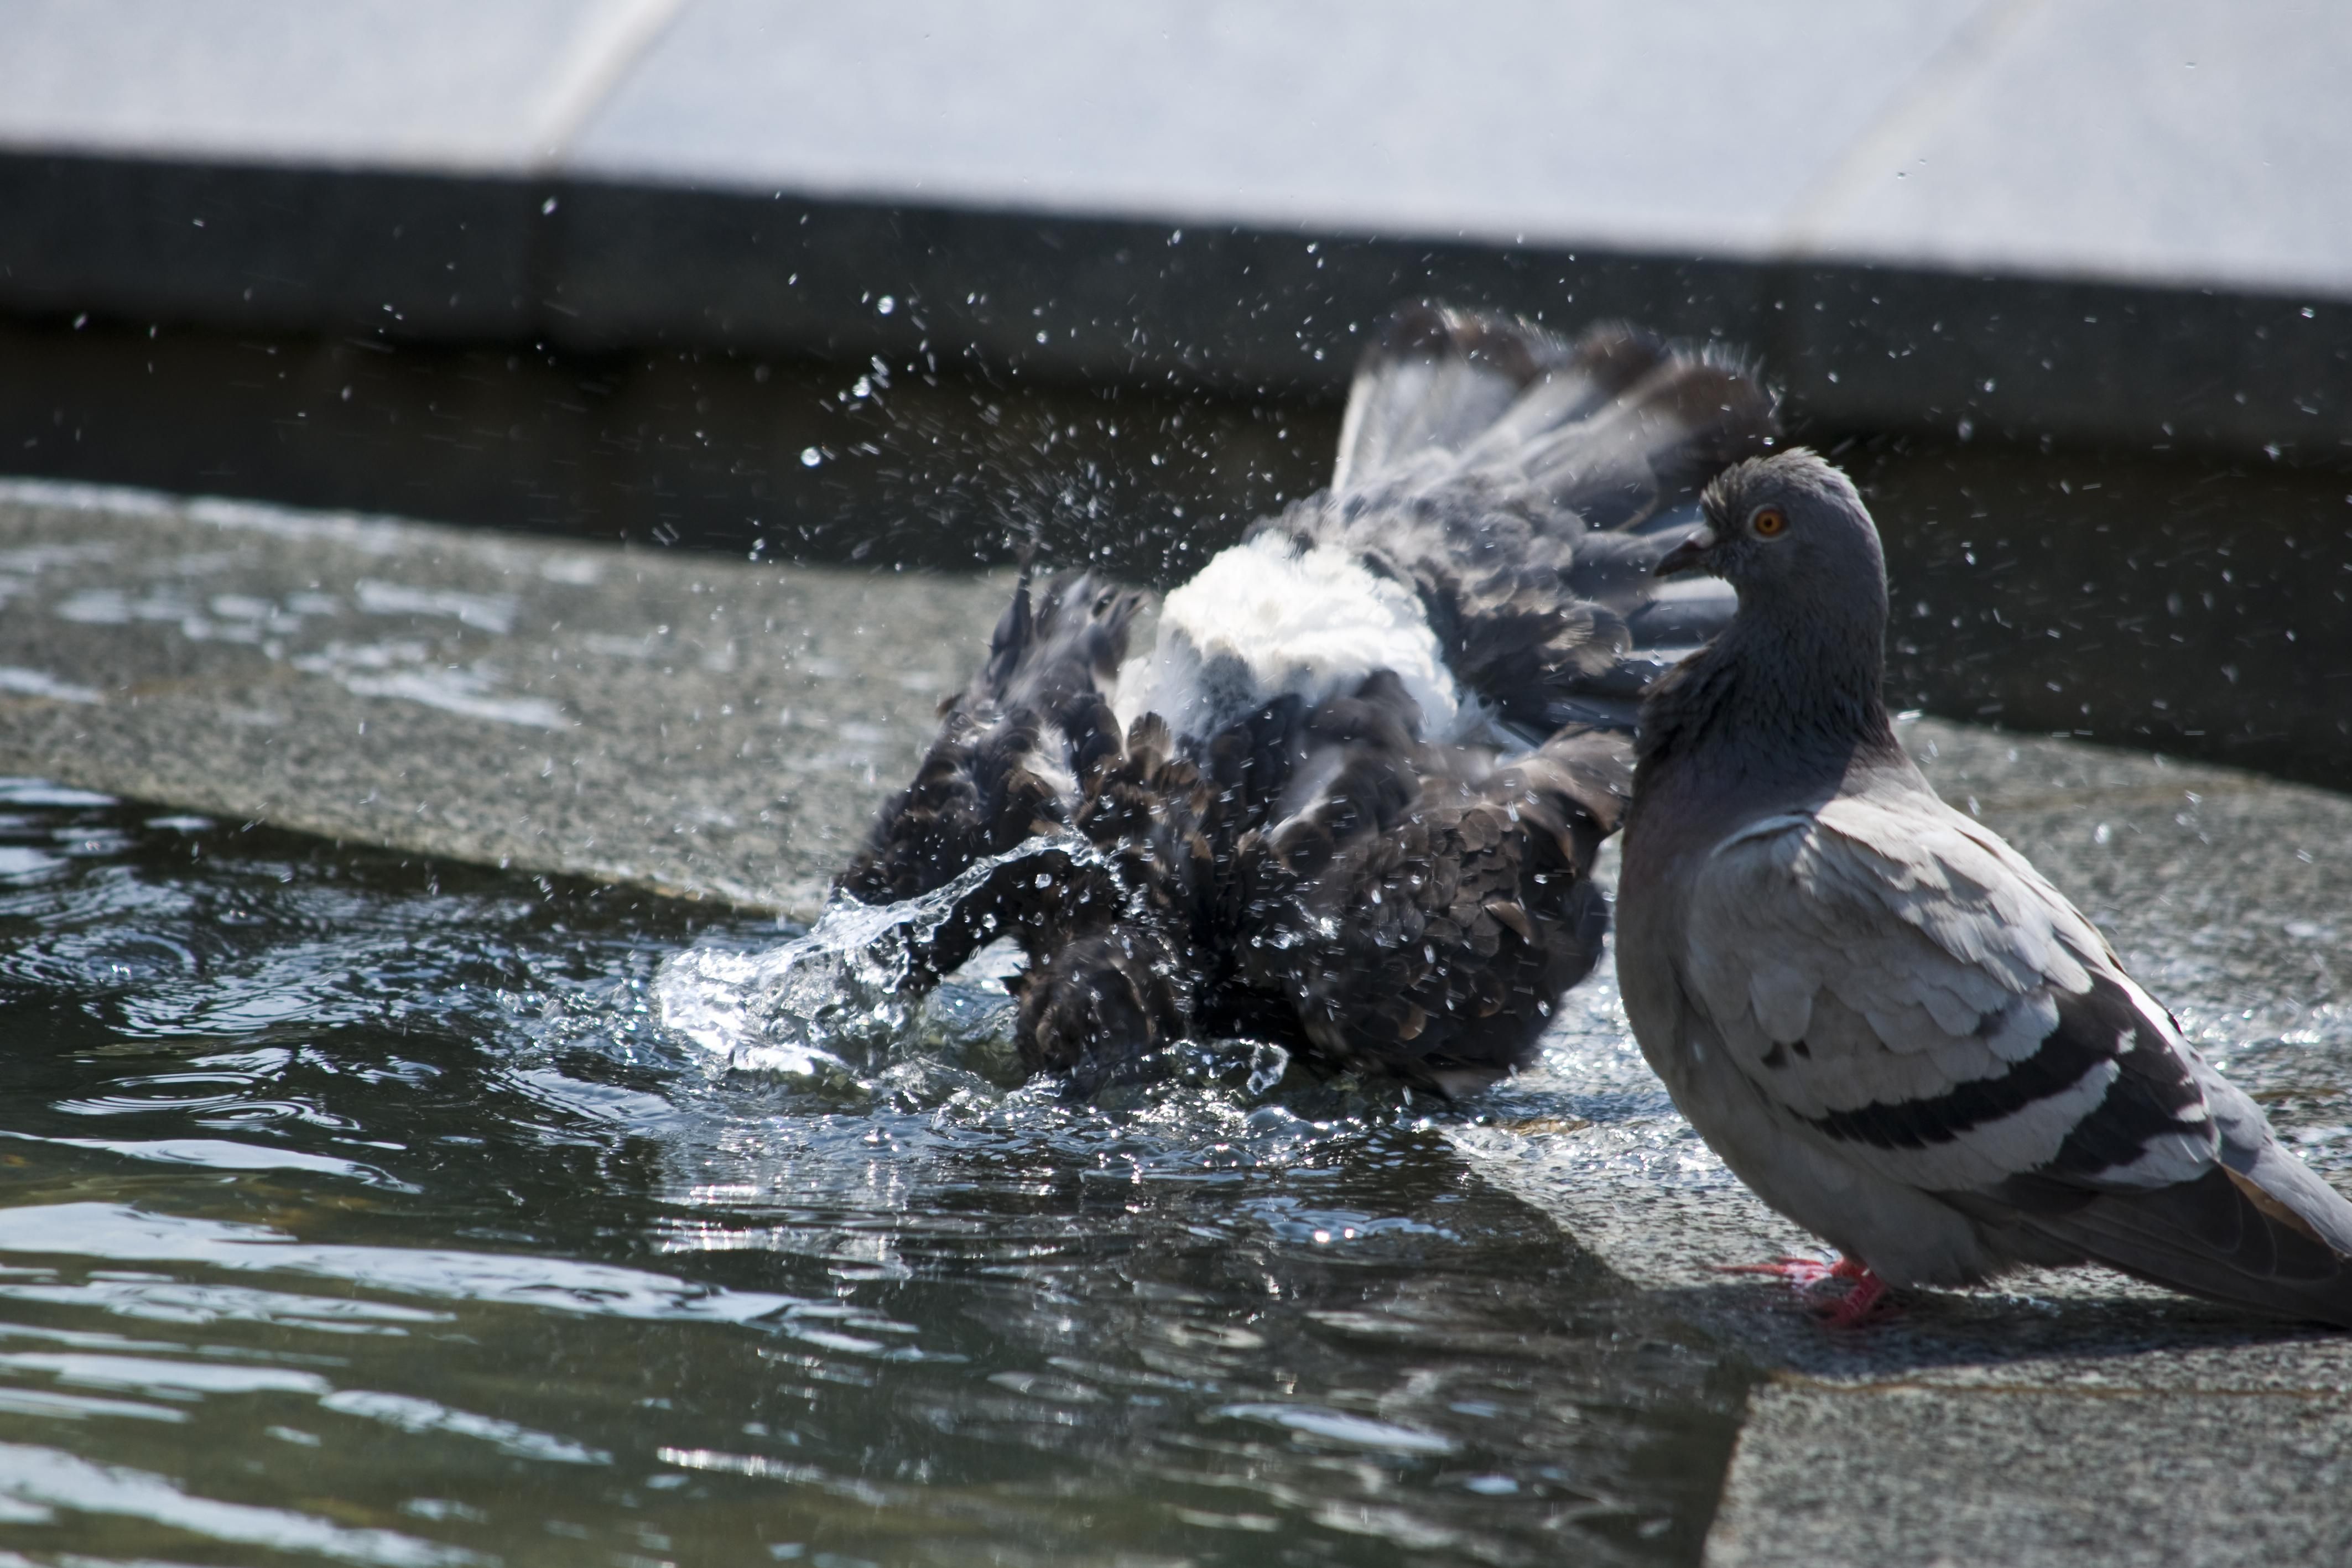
360 1211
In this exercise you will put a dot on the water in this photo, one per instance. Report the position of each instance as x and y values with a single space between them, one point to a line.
366 1212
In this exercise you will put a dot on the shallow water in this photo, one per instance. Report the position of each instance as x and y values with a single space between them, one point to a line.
362 1210
365 1211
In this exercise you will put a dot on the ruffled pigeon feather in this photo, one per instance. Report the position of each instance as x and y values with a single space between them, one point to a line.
1352 797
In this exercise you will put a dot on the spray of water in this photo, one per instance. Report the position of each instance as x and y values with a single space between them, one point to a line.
835 1002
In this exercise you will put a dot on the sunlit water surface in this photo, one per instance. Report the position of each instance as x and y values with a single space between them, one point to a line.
366 1212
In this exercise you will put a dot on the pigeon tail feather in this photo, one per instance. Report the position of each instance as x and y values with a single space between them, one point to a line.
2225 1236
2259 1229
1523 487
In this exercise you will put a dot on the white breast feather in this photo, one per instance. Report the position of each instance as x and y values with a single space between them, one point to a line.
1260 620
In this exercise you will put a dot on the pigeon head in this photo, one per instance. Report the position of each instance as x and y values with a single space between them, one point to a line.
1791 537
1804 656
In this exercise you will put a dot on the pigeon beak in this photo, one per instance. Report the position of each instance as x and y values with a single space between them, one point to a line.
1691 552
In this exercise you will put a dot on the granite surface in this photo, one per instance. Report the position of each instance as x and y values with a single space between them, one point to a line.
2098 139
696 724
2030 1477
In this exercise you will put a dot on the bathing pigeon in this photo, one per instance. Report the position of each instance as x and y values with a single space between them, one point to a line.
1888 1025
1348 802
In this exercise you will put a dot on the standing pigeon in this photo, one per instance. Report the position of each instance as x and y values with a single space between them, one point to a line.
1887 1023
1348 801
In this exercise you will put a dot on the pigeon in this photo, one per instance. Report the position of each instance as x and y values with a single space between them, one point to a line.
1889 1026
1346 802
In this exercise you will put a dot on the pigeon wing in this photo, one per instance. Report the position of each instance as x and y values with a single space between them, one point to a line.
1523 487
1013 746
1428 930
1906 987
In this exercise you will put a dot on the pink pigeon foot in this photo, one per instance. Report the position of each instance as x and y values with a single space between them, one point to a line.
1871 1300
1868 1300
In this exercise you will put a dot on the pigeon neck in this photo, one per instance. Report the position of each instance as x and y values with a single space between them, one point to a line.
1790 698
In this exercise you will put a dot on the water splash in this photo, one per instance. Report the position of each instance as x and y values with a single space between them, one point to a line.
1267 1064
837 1001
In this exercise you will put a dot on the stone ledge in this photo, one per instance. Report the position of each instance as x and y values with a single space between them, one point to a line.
701 726
595 265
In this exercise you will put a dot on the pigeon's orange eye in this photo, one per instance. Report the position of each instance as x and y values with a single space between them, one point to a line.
1769 521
